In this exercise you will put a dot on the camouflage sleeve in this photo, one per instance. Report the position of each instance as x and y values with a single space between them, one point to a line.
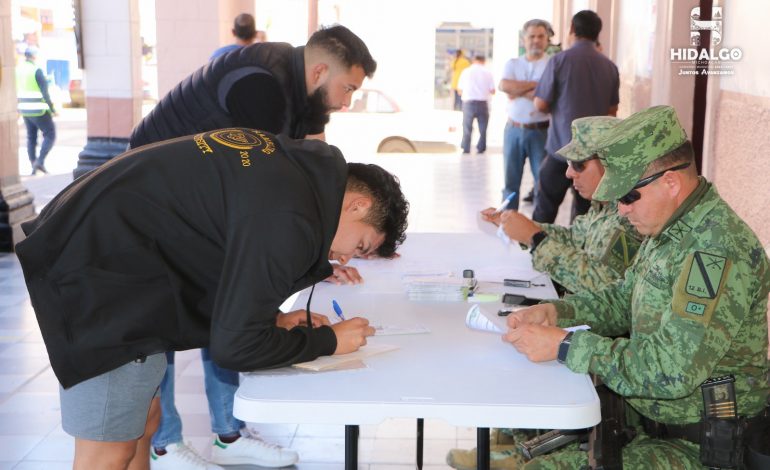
568 263
572 235
607 310
711 299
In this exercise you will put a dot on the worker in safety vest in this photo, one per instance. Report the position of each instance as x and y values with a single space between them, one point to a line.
36 108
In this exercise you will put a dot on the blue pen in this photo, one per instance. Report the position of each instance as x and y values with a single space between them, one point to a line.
338 310
505 203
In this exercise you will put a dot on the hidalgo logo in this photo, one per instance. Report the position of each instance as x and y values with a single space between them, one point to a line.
716 55
714 25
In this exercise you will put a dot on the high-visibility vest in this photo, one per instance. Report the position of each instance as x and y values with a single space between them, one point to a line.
30 98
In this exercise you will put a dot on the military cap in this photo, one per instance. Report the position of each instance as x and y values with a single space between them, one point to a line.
586 132
628 148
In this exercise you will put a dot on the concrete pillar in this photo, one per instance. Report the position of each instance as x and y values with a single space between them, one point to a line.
668 87
312 17
112 52
188 32
15 201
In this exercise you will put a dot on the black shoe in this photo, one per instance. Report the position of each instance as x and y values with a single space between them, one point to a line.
529 197
37 167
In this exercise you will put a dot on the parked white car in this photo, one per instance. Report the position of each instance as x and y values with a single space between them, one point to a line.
375 123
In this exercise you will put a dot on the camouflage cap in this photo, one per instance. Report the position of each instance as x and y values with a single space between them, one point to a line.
586 132
627 149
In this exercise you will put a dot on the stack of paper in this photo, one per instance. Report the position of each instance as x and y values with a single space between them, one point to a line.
436 288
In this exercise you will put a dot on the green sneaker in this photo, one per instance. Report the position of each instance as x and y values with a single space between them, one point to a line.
501 457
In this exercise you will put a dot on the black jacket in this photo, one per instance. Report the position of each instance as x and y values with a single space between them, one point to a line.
189 243
261 86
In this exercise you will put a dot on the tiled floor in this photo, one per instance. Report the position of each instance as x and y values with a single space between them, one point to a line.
445 192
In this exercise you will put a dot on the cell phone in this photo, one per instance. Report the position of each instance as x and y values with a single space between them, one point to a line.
515 299
504 312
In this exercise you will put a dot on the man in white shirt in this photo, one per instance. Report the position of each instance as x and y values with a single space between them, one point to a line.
526 129
476 86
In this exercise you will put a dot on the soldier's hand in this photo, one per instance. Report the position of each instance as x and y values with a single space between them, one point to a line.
518 227
345 275
541 314
299 317
351 334
539 343
490 214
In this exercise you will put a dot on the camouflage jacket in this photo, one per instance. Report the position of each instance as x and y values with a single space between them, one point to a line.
594 252
694 303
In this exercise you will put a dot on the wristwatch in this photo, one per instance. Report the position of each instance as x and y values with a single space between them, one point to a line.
561 356
536 240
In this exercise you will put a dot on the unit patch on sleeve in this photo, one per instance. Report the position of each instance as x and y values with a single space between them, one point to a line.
699 286
620 253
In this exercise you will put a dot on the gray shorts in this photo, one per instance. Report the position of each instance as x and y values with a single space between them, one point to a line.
113 406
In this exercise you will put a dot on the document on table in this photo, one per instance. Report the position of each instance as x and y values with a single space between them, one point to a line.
484 320
339 362
392 330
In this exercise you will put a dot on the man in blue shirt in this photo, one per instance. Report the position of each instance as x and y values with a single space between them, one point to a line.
577 82
526 129
244 30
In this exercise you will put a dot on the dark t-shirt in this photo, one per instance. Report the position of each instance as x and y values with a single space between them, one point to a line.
576 83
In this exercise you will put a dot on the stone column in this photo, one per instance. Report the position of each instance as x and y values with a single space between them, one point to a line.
188 32
15 201
112 52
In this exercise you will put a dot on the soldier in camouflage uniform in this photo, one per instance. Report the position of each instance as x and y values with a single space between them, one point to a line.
594 252
600 245
694 302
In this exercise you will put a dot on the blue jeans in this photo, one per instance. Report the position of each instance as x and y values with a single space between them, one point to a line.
45 125
478 110
458 102
518 145
221 385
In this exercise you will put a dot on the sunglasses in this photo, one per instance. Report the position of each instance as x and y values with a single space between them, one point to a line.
581 165
634 195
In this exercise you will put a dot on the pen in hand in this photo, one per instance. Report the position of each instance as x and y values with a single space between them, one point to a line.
505 203
338 310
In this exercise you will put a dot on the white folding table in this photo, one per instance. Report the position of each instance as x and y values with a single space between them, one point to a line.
463 376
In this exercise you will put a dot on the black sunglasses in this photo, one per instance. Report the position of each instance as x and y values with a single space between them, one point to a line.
634 195
581 165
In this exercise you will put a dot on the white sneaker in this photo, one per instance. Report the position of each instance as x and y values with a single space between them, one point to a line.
180 457
249 450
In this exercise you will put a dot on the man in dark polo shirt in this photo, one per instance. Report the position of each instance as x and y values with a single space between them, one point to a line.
576 83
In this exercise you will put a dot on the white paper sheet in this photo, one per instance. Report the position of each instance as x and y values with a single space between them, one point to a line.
339 361
392 330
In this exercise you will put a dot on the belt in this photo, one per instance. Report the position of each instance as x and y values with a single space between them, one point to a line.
533 125
688 432
656 430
